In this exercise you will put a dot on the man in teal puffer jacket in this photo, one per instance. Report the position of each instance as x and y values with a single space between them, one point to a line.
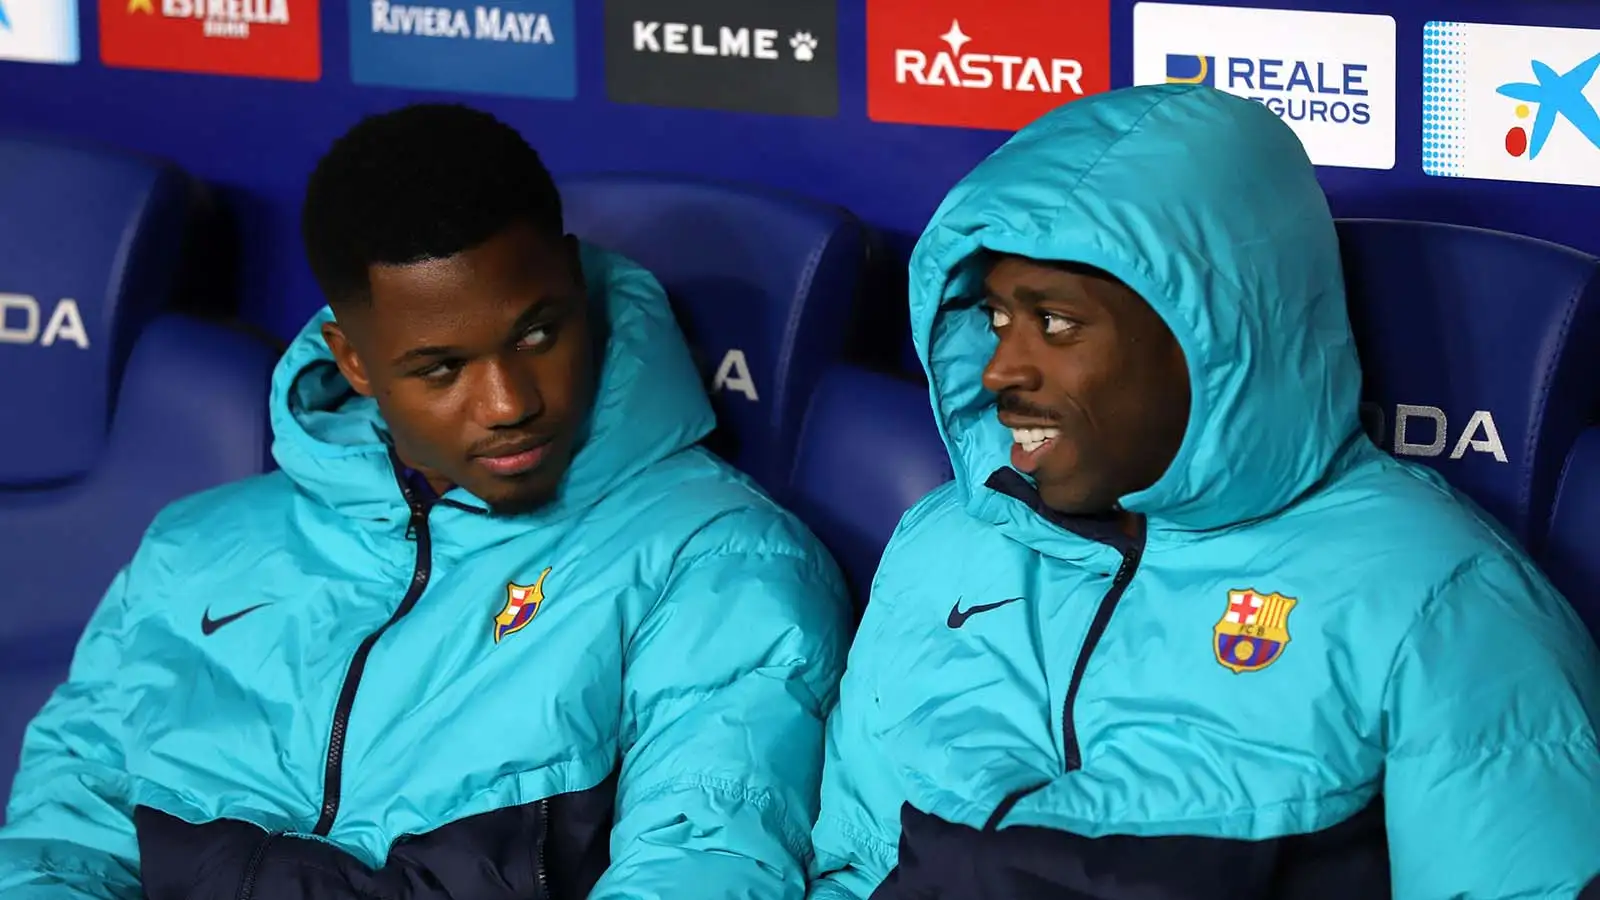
1178 630
497 628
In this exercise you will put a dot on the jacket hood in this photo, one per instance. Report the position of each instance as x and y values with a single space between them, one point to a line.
650 403
1207 206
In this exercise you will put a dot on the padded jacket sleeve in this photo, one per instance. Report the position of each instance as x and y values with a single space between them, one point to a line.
72 831
1493 779
69 834
727 684
859 821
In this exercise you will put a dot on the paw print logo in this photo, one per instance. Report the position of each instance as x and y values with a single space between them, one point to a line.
805 46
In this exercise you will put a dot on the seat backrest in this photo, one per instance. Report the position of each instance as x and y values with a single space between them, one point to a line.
111 411
1572 549
763 283
1478 353
90 249
191 414
869 451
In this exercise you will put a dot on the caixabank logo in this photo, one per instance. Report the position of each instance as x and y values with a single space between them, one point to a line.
759 56
248 38
972 64
1330 76
1511 103
521 48
39 31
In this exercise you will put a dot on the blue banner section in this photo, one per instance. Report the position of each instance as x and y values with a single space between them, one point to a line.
519 48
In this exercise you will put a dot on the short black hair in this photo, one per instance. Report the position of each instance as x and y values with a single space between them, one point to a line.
425 181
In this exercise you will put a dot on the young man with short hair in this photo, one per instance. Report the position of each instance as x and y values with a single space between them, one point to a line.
497 628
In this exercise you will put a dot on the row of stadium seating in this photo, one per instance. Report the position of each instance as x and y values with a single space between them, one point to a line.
118 398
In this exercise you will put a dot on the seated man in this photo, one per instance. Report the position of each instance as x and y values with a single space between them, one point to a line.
496 629
1178 630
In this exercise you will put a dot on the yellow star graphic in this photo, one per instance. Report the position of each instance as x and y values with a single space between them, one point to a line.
141 6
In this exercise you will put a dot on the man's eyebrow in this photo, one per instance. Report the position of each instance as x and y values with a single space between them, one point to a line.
418 354
537 308
1028 296
1033 296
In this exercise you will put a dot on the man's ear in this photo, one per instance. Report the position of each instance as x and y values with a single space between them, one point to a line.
345 356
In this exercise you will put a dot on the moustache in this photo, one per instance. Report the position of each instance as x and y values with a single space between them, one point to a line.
505 446
1015 405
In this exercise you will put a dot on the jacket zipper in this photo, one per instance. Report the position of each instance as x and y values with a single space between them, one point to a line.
544 837
417 528
247 885
1097 628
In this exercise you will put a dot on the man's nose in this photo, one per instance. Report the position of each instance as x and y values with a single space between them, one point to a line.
507 396
1012 366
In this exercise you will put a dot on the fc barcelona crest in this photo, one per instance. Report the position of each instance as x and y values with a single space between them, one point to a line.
1253 630
522 604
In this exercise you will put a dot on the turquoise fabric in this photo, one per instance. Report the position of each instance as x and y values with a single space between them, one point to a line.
1422 655
691 632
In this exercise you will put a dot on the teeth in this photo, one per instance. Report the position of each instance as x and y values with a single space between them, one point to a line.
1032 439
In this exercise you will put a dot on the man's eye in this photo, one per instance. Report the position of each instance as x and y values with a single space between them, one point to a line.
997 318
1054 324
437 371
537 336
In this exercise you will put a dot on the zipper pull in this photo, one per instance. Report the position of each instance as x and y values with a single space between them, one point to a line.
419 516
419 510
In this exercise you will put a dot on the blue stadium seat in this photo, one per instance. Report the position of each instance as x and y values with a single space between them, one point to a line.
1572 549
868 451
764 284
1479 354
113 408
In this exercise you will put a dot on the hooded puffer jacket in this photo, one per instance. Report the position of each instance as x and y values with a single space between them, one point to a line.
320 684
1319 672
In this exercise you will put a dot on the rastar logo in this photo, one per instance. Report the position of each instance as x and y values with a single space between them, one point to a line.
259 38
23 321
980 71
977 65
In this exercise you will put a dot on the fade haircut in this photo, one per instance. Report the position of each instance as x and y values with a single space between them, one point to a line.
426 181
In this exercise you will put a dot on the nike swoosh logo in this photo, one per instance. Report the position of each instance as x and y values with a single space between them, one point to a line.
959 618
208 625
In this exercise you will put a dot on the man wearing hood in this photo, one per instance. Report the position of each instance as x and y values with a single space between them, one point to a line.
1178 630
497 628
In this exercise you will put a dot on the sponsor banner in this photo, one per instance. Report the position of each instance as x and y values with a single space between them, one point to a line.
1331 76
39 31
759 56
250 38
972 64
1511 103
523 48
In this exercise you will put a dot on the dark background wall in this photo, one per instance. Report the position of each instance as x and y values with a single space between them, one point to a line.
256 138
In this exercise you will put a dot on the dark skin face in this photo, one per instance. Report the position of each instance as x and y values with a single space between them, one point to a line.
483 364
1082 353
